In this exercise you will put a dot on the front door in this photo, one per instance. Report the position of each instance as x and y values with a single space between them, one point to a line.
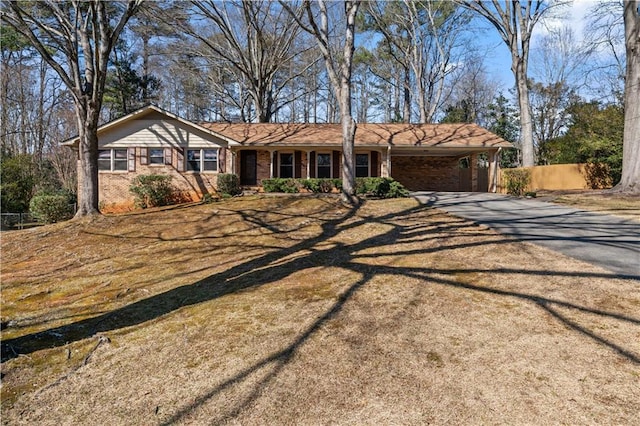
248 167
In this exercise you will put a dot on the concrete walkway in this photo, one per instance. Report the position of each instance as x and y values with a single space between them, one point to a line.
607 241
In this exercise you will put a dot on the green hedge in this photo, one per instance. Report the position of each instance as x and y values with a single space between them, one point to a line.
49 208
153 191
229 184
286 185
370 187
517 181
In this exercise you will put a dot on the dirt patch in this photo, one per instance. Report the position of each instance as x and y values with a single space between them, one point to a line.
295 310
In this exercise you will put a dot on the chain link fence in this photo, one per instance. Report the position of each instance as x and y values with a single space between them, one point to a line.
13 221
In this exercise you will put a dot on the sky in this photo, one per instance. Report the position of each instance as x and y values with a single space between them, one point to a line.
498 58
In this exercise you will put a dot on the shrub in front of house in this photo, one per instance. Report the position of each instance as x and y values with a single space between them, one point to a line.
318 185
517 181
50 208
380 187
153 191
286 185
229 184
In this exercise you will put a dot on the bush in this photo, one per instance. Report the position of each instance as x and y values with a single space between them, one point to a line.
598 176
229 184
49 208
17 182
381 187
153 191
286 185
317 185
372 186
517 181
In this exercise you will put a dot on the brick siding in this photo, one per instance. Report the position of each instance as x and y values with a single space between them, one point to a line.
426 173
114 192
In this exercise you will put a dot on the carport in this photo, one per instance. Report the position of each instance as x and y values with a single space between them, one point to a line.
447 169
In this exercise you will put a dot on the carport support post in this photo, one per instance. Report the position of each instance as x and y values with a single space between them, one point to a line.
473 164
493 170
388 161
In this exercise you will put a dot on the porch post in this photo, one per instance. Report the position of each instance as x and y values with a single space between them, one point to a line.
494 166
271 171
233 162
388 161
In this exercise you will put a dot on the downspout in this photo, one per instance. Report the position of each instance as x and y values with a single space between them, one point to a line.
389 161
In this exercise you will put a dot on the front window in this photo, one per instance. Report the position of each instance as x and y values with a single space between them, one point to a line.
112 160
200 160
362 165
104 159
323 166
156 156
286 165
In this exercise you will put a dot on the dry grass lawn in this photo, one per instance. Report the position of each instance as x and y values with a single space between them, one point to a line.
601 201
297 310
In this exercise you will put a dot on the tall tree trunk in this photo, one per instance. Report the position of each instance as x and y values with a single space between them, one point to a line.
526 125
630 181
88 154
406 99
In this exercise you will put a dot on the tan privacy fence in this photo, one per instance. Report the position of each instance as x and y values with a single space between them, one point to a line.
556 177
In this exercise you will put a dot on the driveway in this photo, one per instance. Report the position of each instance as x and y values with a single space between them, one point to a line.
607 241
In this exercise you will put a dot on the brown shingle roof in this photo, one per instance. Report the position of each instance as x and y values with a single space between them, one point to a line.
401 135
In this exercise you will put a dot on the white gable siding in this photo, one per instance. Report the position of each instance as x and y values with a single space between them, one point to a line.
157 133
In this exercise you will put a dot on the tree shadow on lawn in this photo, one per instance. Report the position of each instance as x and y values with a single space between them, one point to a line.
405 227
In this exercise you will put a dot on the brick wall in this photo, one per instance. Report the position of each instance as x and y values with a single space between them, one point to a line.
264 165
426 173
114 192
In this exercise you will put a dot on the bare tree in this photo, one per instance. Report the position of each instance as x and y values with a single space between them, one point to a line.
256 40
515 21
604 37
75 38
630 181
422 37
339 68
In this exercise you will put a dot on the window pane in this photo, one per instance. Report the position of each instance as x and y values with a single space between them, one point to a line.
120 159
210 155
193 160
286 165
286 159
362 160
156 156
362 165
210 160
104 159
324 159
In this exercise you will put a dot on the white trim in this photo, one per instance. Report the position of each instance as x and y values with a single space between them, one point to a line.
147 110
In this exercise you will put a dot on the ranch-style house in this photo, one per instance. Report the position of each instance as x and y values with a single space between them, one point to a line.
439 157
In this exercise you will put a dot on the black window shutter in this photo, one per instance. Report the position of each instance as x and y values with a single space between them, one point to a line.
312 164
336 164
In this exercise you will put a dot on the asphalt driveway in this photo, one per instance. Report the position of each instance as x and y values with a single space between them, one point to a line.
607 241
